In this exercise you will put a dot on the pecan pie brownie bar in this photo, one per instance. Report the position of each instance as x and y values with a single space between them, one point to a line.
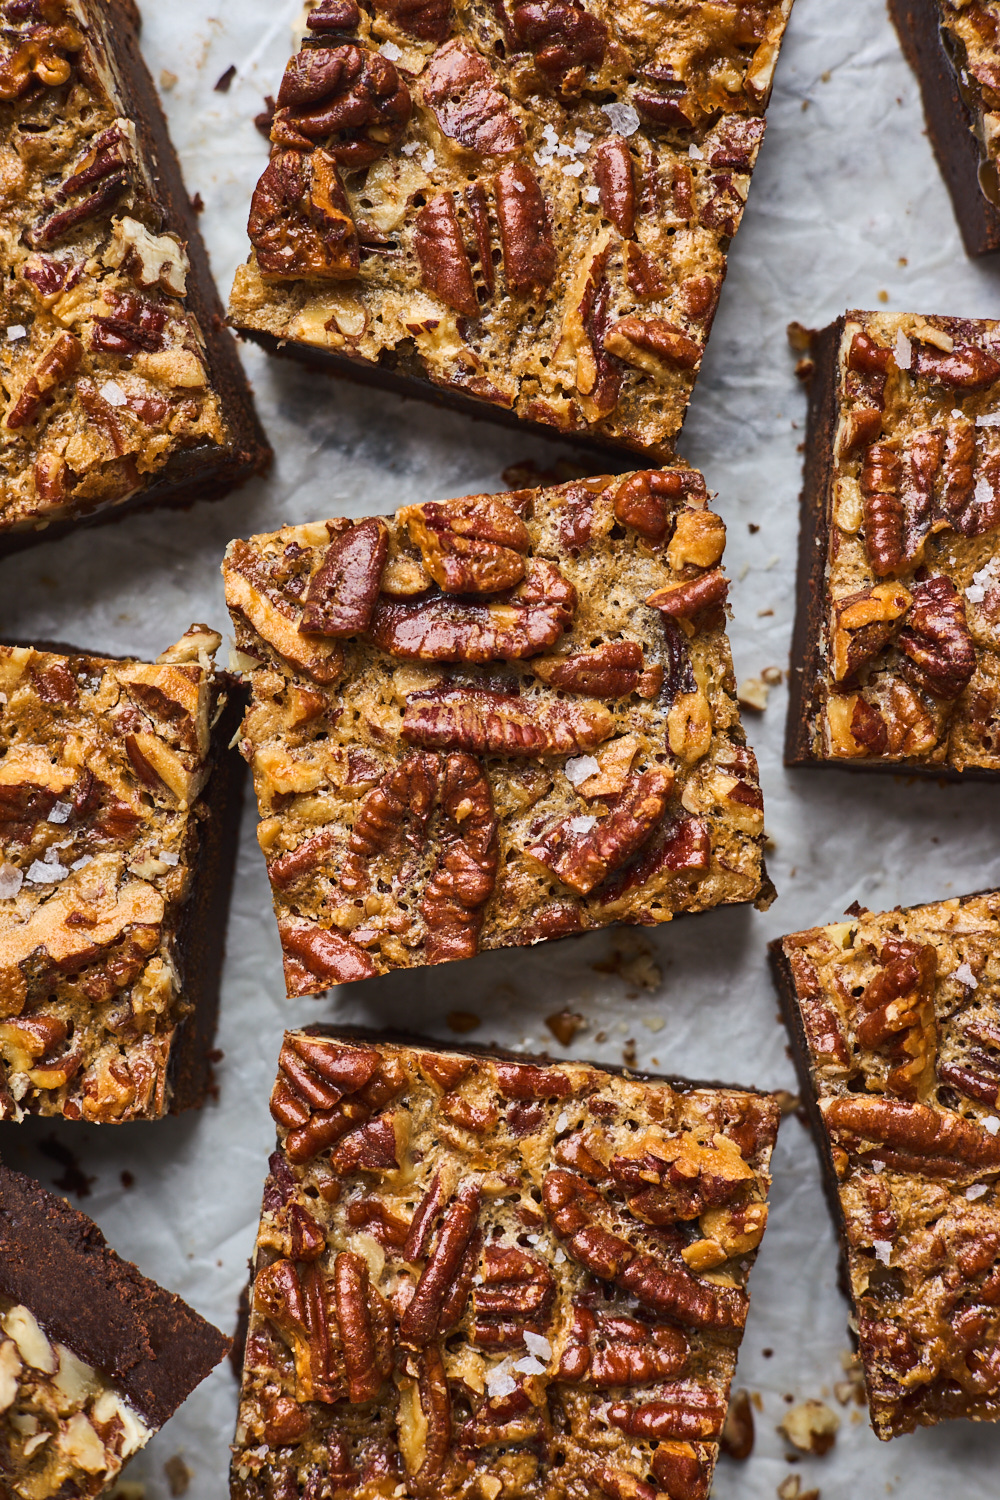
493 720
479 1273
119 381
895 1019
526 203
119 811
953 48
896 655
94 1357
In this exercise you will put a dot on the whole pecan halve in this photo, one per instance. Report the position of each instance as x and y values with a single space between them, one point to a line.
529 252
460 88
341 595
398 807
445 268
611 670
466 871
492 723
615 180
936 639
567 41
652 344
471 546
300 222
348 99
516 1293
583 859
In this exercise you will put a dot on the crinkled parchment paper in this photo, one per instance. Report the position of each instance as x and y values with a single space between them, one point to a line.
847 208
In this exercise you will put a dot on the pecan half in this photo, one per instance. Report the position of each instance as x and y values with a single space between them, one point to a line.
567 41
529 253
516 1293
333 15
864 623
300 222
275 618
573 1209
341 595
503 1420
105 168
325 1090
652 344
372 1214
490 723
645 280
681 1411
524 1081
461 90
317 957
686 601
445 267
398 807
466 870
427 20
611 1348
914 1129
479 212
296 1306
134 324
611 670
365 1338
884 513
921 462
441 629
685 844
582 859
616 183
368 1148
474 545
421 1322
347 98
58 362
679 1469
958 478
435 1403
644 501
936 639
736 141
967 367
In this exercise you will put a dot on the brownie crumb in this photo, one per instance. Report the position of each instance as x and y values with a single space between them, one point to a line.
178 1475
127 1180
222 85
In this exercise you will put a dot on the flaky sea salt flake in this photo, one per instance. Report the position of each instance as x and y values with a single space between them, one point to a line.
623 118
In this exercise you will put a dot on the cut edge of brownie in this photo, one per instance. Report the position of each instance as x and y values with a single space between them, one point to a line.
949 123
804 694
148 1341
205 471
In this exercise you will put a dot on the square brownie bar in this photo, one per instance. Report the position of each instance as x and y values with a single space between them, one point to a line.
120 381
94 1357
459 742
525 203
896 652
119 810
486 1273
953 49
895 1022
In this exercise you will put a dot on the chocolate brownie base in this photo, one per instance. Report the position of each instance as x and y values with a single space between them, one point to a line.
951 124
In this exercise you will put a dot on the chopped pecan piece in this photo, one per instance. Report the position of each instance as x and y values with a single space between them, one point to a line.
41 57
967 367
59 361
300 223
444 261
341 595
529 254
466 871
864 623
645 279
616 183
653 345
296 1306
941 655
516 1293
737 140
334 15
427 20
350 100
583 858
470 546
611 670
460 88
567 41
489 723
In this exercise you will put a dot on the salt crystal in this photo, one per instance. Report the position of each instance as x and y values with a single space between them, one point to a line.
528 1367
903 351
168 857
113 393
582 825
695 152
883 1250
581 768
16 331
560 1254
965 976
878 1166
60 812
428 161
581 141
499 1381
975 593
622 118
991 1124
984 491
46 872
562 1122
592 195
537 1345
988 419
391 51
85 859
411 148
977 1190
574 169
11 881
957 414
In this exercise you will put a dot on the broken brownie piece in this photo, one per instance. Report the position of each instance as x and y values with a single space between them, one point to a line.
896 655
119 807
493 720
954 50
473 1269
528 205
94 1357
119 380
895 1021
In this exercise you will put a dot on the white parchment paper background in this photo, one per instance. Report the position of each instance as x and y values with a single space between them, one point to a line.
846 204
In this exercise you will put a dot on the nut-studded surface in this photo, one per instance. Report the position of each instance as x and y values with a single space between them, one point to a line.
897 657
494 720
528 204
106 376
897 1029
479 1274
103 811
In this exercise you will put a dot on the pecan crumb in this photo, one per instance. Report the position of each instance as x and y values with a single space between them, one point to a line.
738 1433
462 1021
178 1474
564 1025
811 1426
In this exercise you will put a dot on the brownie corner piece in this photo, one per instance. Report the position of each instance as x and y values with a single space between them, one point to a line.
474 1268
531 214
122 383
94 1357
895 1026
896 652
954 52
119 807
459 743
